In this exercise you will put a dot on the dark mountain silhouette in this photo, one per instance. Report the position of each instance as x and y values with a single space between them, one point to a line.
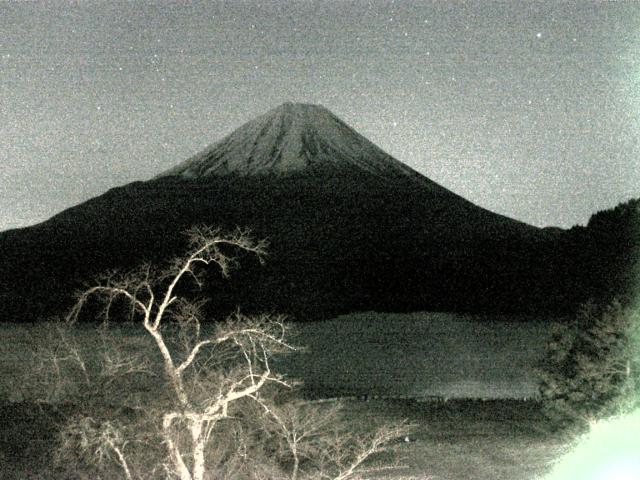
350 228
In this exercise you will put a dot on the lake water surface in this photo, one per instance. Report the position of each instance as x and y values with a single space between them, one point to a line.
420 355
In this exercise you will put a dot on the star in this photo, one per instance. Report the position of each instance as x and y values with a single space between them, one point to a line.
539 35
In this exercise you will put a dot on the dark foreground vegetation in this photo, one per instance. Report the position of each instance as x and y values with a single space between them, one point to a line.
456 440
590 373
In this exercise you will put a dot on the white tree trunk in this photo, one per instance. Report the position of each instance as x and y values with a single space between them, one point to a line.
179 466
198 441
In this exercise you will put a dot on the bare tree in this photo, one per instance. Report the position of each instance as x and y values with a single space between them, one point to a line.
322 445
212 377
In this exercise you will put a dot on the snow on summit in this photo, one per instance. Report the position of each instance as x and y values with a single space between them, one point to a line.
291 138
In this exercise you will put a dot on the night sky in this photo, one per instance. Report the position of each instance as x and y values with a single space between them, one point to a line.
528 109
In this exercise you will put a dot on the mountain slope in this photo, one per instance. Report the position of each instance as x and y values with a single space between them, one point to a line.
309 140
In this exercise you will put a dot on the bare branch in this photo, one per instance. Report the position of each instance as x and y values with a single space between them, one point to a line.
110 291
192 355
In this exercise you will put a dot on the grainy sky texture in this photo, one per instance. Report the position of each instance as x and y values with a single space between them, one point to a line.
528 109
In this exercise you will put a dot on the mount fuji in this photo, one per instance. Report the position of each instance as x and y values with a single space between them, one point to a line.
350 228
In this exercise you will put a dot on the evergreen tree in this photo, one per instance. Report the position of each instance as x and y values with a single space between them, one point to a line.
592 366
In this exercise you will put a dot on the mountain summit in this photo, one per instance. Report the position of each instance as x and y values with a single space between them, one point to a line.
292 138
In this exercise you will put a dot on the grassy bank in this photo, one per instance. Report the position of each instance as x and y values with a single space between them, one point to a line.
456 440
